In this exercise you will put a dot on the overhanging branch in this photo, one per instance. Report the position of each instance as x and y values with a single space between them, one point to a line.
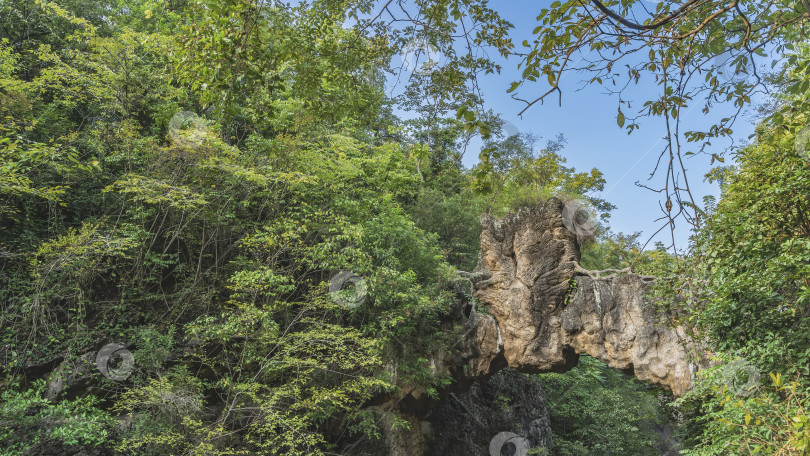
635 26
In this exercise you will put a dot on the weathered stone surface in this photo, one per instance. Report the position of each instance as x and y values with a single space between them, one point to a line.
526 262
610 320
399 440
71 375
540 314
481 349
466 422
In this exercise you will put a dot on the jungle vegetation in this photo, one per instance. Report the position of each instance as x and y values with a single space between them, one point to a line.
186 177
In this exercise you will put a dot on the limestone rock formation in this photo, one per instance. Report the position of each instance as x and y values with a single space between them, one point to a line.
536 312
610 320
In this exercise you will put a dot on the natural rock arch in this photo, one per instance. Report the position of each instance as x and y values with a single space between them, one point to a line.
537 311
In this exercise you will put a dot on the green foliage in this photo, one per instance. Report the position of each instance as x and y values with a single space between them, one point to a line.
28 421
663 59
597 410
513 174
745 288
208 246
619 251
456 221
755 253
207 243
769 419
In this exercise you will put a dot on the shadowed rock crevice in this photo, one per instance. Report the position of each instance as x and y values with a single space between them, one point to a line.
466 422
537 313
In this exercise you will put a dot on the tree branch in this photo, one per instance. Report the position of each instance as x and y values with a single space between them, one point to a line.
652 26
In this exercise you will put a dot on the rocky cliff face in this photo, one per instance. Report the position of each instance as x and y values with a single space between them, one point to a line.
537 309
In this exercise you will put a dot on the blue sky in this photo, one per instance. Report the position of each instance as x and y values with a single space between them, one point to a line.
587 118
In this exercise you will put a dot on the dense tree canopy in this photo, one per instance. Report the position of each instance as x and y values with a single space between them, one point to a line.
187 179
